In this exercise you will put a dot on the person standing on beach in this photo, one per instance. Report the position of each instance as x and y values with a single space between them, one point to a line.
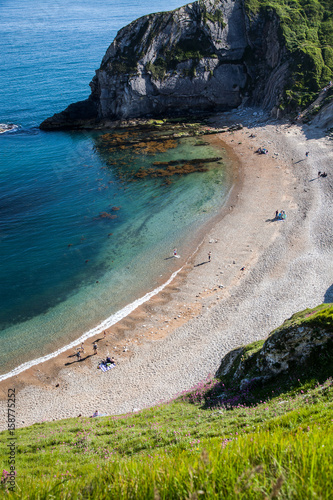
95 348
307 154
175 252
209 256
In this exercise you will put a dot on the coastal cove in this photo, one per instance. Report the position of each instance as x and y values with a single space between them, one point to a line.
67 217
121 230
179 336
94 217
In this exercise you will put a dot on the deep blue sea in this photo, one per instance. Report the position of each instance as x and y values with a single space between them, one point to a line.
64 268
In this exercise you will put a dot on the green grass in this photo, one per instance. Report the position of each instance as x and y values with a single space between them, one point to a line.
179 449
307 28
321 315
216 441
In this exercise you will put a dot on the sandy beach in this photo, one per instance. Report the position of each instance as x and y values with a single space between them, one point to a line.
262 270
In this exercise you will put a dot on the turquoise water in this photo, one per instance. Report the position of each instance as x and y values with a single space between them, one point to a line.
64 268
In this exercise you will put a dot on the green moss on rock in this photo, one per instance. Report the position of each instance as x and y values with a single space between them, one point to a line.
307 28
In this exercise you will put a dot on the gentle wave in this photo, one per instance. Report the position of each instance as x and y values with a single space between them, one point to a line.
8 127
112 320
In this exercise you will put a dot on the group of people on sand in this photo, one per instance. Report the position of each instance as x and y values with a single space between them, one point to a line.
107 362
322 174
80 349
262 151
280 215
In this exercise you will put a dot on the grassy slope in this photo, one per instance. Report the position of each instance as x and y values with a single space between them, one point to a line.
307 26
271 442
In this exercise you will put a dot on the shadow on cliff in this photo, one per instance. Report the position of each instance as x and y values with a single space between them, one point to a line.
328 297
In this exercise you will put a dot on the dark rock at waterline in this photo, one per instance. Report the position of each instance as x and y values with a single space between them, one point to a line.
77 115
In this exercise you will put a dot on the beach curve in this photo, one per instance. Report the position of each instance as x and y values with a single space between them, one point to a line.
262 270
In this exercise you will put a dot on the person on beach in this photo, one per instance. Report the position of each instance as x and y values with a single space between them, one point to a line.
175 252
104 334
82 347
96 414
319 173
78 355
276 214
95 347
307 154
209 256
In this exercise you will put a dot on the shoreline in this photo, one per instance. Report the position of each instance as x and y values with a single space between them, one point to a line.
232 170
104 325
179 336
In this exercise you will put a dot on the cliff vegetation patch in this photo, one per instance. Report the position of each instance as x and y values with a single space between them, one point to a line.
307 28
192 48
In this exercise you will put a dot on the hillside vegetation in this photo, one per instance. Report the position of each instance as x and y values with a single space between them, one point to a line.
217 441
307 27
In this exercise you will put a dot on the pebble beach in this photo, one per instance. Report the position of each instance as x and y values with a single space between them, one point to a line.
262 270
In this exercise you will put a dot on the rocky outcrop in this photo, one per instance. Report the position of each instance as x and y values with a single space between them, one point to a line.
324 118
302 343
206 56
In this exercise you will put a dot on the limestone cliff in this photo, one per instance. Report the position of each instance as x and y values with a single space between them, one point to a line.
205 56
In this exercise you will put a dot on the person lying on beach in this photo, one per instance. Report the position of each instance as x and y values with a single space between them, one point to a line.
96 414
108 361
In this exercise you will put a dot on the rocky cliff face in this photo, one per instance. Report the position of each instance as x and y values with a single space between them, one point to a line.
205 56
300 344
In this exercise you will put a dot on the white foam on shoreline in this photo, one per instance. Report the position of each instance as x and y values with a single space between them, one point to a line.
107 323
8 127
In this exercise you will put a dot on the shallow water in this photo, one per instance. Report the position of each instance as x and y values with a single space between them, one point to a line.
65 265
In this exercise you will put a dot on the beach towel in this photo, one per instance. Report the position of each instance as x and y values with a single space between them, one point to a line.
107 367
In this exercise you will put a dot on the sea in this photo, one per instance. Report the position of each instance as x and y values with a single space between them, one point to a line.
82 243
